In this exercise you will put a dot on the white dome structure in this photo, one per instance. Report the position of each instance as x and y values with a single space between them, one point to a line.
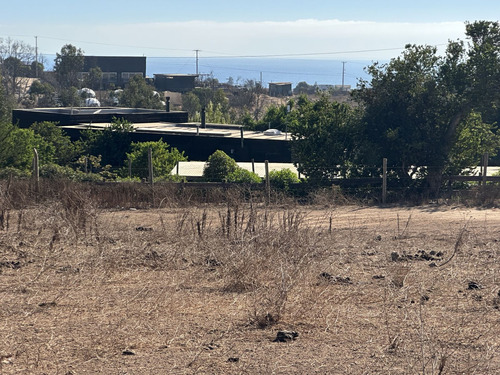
92 102
86 92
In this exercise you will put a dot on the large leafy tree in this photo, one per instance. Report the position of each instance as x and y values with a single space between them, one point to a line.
68 63
64 151
138 94
325 138
111 143
416 105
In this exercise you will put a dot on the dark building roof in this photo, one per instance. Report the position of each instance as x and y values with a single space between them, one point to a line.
280 89
72 116
175 82
116 63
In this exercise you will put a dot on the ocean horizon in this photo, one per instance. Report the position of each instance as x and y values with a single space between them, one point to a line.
267 70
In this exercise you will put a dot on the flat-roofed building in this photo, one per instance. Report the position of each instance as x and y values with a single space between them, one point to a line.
116 70
278 89
175 82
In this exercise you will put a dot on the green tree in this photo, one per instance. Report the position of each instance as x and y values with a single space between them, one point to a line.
164 158
111 143
68 64
94 78
275 117
42 93
214 101
325 138
5 105
475 138
69 97
138 94
17 149
191 104
416 104
219 166
65 151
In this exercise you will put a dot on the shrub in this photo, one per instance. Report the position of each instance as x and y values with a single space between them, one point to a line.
164 158
243 175
282 179
219 166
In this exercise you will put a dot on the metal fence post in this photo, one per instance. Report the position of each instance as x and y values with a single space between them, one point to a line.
384 180
268 184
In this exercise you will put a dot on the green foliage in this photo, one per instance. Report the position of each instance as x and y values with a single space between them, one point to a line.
215 103
276 117
304 88
139 94
69 97
164 158
94 78
244 176
416 104
191 104
219 166
55 171
11 172
475 138
65 151
67 64
42 94
16 149
111 144
325 138
5 106
282 179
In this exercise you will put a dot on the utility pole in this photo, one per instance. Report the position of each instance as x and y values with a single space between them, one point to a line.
343 73
36 56
197 50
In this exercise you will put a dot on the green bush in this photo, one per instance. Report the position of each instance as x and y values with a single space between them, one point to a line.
9 172
164 159
243 175
282 179
219 166
54 171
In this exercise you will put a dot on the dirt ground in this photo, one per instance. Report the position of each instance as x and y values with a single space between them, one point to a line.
206 290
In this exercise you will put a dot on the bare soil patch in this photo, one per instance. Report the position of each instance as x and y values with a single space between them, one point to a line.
207 290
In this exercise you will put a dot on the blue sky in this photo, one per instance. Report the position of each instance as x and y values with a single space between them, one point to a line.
348 29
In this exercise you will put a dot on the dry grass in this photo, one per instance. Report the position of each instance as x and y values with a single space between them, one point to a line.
186 290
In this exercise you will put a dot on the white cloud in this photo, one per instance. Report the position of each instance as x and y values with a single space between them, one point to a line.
245 38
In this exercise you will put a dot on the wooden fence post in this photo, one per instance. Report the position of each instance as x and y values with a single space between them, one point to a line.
36 170
484 168
253 165
384 180
268 184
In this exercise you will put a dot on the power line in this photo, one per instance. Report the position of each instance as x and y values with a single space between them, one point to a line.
228 55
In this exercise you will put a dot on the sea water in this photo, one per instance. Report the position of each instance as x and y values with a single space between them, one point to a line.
265 70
